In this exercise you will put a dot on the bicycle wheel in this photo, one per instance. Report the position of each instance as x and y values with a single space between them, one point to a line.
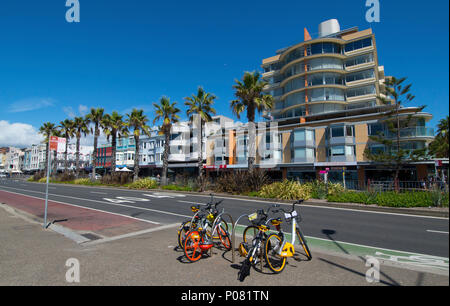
182 231
250 233
275 262
223 224
192 249
224 237
303 243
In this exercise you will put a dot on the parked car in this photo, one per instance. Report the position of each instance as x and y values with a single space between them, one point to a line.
97 176
3 175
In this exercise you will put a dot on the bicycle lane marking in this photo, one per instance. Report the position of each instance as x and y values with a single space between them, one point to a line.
394 256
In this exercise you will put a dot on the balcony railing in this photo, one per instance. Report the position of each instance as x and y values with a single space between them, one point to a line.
412 132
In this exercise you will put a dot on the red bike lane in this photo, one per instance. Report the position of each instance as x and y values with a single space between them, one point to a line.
79 219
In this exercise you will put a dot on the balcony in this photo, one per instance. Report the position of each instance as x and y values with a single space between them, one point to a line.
412 132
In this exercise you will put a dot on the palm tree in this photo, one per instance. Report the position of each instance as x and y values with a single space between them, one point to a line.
67 129
114 126
96 118
168 113
81 128
201 105
47 129
439 146
250 97
138 122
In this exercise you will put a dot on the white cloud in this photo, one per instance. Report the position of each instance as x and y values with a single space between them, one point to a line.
68 110
18 134
82 109
26 105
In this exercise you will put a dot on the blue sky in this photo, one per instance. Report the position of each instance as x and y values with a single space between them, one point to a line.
126 54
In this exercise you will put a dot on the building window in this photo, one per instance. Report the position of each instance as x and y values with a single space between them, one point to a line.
337 132
359 44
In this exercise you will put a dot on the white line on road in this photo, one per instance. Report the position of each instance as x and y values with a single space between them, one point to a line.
98 192
439 232
85 207
102 202
189 202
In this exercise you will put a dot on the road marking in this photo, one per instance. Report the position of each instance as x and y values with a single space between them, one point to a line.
106 203
189 202
64 203
98 192
268 202
439 232
323 207
151 230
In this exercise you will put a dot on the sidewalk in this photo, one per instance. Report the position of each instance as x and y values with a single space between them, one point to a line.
31 255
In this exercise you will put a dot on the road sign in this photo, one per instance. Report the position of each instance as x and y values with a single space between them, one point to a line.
53 144
56 142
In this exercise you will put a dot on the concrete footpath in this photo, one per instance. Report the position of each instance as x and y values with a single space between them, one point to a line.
31 255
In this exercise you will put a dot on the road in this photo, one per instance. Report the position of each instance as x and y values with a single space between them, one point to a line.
416 234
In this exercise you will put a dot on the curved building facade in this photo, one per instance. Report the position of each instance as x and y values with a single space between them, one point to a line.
332 73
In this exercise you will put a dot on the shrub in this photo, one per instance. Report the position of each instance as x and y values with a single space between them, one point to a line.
392 198
177 188
116 178
286 190
241 182
65 177
82 181
145 183
42 180
37 176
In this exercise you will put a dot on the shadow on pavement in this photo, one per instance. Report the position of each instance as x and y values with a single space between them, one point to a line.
329 233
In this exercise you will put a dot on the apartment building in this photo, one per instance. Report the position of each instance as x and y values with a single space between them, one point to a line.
183 146
3 152
326 107
125 149
14 160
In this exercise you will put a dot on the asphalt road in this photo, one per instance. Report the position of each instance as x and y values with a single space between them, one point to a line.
417 234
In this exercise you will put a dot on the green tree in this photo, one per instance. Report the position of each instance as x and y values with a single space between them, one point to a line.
67 128
95 117
200 104
250 98
393 154
168 113
81 128
114 126
138 122
439 146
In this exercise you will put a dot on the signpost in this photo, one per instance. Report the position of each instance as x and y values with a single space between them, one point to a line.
52 146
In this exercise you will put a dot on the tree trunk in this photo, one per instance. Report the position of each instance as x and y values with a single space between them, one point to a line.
136 158
200 156
113 152
55 165
47 147
94 158
251 146
78 156
399 159
65 155
165 157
